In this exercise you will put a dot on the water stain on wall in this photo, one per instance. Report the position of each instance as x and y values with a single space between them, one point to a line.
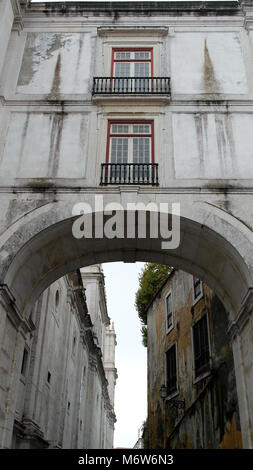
57 123
23 141
200 142
55 89
216 129
210 82
39 48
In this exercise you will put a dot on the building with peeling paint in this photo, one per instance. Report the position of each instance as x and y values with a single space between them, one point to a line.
65 387
189 354
115 103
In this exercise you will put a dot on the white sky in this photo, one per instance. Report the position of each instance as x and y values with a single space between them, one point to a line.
121 281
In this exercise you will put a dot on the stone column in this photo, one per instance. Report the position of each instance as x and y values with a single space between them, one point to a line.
241 334
6 22
10 10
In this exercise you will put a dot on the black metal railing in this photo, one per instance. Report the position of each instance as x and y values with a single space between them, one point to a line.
131 85
129 173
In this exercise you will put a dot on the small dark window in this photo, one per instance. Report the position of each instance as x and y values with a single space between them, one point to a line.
68 405
57 298
197 287
24 362
49 377
74 345
201 347
169 313
171 369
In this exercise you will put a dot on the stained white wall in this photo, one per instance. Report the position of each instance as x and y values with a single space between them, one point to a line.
208 145
72 402
72 143
208 62
45 145
55 63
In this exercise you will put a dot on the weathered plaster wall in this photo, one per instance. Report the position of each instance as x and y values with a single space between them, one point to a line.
209 62
72 409
211 417
55 63
214 145
206 63
61 151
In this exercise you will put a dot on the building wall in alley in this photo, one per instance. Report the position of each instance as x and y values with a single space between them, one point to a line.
200 409
64 398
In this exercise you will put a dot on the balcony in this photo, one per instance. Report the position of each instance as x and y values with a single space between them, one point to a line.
131 85
129 173
141 89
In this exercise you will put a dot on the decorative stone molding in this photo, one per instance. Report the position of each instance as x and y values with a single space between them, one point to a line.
143 100
32 431
17 5
132 31
243 315
247 9
9 303
8 300
92 363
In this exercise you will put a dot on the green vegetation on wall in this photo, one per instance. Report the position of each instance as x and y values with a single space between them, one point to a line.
151 279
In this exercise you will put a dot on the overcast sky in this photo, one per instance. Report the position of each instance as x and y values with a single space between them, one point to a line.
121 282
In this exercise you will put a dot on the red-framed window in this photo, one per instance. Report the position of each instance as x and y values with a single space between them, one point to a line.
132 62
131 70
130 142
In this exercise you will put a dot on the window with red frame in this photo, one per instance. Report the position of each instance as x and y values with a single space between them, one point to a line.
130 150
132 69
130 142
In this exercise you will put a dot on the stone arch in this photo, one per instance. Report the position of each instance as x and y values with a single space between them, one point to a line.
41 248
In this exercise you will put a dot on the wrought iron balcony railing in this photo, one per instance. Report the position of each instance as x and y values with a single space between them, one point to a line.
129 173
131 85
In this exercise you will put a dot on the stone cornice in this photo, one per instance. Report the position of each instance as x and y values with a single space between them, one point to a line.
13 313
201 8
18 23
244 313
183 12
202 103
32 431
16 7
144 100
132 31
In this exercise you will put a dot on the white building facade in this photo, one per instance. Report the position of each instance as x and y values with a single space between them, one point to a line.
65 395
130 102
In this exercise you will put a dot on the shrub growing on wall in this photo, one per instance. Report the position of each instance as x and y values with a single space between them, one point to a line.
151 279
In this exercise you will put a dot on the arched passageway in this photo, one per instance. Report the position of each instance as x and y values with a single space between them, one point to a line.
40 248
